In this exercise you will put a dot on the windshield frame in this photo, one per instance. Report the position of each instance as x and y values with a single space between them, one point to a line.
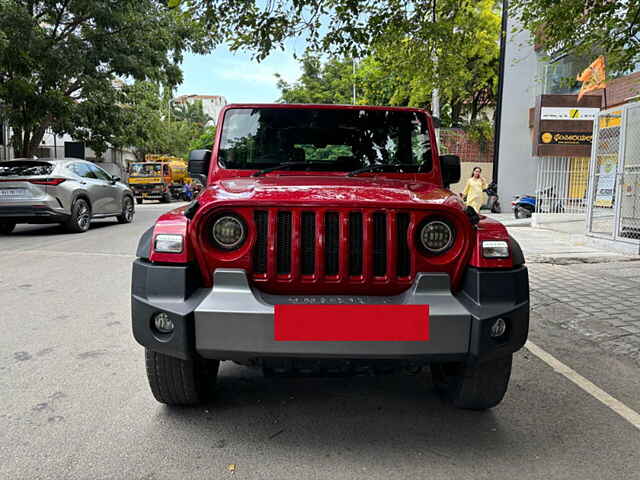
219 171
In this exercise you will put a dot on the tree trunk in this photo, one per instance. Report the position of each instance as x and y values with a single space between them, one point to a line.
26 142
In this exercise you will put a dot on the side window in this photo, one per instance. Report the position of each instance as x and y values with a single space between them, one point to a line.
82 170
99 173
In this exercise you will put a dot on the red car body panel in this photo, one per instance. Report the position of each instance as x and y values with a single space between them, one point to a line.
419 195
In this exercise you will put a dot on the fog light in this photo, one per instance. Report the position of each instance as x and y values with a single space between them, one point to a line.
498 328
163 323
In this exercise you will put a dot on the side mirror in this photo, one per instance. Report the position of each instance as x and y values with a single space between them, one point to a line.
199 161
450 167
115 180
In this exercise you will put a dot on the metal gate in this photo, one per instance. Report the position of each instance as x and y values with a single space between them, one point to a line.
614 183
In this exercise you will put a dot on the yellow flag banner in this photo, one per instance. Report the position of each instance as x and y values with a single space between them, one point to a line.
593 77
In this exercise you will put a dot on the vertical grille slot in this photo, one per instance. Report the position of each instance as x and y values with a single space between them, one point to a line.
332 241
355 243
260 249
283 249
403 254
308 243
379 244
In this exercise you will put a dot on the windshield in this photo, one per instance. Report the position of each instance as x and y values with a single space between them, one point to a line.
146 170
328 139
24 168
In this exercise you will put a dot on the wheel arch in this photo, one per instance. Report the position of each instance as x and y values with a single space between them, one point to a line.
80 194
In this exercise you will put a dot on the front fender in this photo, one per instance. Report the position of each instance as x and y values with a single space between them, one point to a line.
173 223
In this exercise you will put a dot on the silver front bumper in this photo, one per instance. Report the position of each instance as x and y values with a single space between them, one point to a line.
235 321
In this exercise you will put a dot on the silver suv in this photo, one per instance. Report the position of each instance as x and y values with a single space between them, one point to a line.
68 191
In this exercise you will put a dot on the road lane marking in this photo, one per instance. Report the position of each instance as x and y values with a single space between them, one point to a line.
596 392
74 254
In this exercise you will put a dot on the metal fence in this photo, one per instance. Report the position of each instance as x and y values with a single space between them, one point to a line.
614 191
561 185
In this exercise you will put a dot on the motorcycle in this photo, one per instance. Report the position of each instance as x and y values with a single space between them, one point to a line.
493 203
523 205
547 202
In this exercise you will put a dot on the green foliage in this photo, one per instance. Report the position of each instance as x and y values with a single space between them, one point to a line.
403 69
191 112
204 141
582 28
330 82
149 126
60 63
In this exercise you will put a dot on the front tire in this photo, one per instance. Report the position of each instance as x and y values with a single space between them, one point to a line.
174 381
475 388
522 212
127 211
6 228
80 219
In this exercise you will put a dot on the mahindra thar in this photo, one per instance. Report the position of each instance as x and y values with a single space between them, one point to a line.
327 242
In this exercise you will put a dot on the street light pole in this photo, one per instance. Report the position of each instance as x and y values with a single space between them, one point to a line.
498 112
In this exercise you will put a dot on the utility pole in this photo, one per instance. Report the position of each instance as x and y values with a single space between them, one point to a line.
498 112
353 63
435 95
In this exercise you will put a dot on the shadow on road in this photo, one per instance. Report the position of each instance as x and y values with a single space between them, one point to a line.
392 412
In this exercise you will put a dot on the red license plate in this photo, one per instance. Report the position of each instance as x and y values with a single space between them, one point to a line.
347 323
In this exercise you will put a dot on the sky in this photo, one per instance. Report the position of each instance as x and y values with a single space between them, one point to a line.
237 77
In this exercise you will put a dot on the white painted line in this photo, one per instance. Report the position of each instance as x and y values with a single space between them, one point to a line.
596 392
74 254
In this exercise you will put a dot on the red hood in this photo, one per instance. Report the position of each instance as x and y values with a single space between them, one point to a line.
329 189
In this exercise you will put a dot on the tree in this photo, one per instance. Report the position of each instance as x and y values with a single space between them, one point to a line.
403 69
191 112
60 63
205 140
610 27
150 128
330 82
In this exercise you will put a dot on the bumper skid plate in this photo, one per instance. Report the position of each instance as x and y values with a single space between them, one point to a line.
233 321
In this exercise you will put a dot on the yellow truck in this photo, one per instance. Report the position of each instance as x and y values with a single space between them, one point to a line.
159 177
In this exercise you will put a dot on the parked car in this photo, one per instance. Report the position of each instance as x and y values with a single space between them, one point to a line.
71 192
327 241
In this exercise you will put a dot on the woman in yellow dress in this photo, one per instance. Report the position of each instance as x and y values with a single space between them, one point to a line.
473 191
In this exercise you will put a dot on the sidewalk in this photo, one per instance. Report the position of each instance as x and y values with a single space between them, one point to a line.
561 243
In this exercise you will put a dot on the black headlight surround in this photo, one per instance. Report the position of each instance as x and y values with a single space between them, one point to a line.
221 246
418 236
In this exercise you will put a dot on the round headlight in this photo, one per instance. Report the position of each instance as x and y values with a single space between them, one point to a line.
228 232
436 236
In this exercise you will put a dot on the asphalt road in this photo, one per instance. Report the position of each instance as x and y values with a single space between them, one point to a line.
76 405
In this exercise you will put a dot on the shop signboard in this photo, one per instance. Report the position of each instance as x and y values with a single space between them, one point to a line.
568 113
562 126
566 138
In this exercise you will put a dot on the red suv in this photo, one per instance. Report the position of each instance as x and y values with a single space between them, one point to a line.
326 241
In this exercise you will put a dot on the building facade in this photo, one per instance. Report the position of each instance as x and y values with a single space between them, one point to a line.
546 133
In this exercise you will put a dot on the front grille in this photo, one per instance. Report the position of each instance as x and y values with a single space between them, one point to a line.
332 245
332 239
260 249
284 243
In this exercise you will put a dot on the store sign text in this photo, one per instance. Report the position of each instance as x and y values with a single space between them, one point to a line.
566 138
568 113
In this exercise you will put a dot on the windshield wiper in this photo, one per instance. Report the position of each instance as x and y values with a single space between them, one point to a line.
285 165
384 166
